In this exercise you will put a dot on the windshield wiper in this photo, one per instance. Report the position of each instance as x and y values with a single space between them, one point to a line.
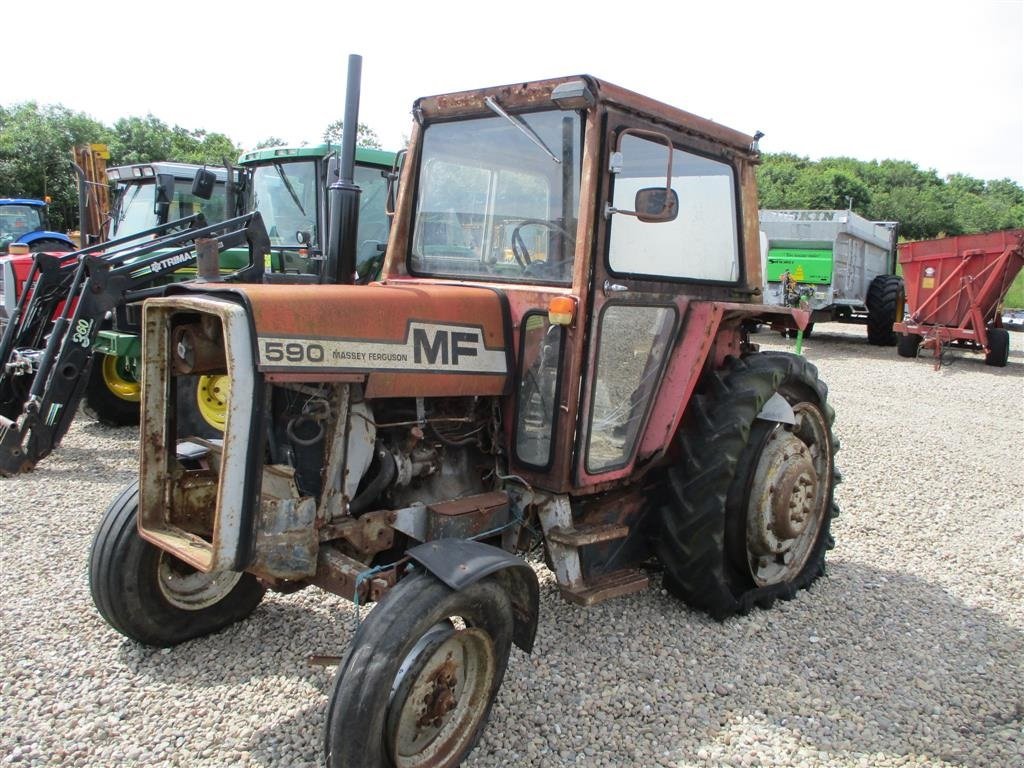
526 130
288 186
123 206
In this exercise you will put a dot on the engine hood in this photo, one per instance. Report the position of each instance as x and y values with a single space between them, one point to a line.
403 341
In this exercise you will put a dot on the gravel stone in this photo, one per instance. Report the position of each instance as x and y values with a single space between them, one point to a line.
909 652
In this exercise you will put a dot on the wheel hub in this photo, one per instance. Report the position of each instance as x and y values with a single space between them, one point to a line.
190 590
441 695
787 498
785 485
119 376
212 395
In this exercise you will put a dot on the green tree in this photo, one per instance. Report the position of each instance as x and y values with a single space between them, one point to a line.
892 190
35 155
365 135
271 141
149 140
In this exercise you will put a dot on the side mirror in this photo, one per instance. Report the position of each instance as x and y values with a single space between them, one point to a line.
656 204
651 204
203 183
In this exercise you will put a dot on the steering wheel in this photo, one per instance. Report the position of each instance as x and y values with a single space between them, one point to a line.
519 246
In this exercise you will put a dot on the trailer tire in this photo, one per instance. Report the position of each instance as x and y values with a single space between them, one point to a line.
396 650
999 347
111 395
715 541
884 301
908 344
152 597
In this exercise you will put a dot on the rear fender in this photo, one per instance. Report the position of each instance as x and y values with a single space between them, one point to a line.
711 333
462 562
31 237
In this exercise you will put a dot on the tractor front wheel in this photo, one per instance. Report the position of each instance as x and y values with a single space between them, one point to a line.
152 597
112 392
417 684
749 504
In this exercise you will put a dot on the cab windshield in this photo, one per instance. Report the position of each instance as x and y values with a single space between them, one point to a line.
285 196
135 206
17 221
498 198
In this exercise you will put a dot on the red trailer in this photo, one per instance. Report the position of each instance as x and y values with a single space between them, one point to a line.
954 288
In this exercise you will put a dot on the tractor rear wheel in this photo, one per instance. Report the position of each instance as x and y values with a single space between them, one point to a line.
152 597
50 246
885 302
908 345
112 392
999 347
749 504
416 686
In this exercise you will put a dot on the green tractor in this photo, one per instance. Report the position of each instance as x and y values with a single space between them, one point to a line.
287 185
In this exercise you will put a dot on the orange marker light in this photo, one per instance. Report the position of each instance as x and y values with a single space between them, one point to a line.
561 310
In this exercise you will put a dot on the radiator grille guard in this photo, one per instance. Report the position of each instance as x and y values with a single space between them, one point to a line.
179 484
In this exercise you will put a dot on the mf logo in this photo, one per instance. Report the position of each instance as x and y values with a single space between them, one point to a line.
446 345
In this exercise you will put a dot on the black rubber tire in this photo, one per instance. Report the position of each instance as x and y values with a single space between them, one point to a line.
101 404
999 347
123 573
884 299
358 708
703 515
791 334
51 246
908 344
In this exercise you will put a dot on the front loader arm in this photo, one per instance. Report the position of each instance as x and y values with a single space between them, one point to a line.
101 283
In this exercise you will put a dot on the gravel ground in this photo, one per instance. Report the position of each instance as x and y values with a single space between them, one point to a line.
909 652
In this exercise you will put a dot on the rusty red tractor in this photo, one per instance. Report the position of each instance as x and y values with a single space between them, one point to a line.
555 357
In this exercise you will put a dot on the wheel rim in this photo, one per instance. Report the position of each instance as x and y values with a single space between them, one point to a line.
789 497
441 695
191 590
212 394
119 378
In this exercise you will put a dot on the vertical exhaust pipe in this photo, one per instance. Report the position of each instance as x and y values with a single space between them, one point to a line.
343 195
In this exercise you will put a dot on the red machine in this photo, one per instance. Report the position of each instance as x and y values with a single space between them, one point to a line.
954 288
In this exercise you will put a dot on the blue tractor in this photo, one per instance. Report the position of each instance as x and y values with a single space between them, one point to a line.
23 220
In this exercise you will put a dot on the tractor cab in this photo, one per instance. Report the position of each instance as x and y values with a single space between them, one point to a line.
24 220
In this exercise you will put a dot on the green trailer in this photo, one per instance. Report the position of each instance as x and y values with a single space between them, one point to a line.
837 264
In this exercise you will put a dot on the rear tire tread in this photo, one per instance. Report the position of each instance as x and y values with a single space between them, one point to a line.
692 544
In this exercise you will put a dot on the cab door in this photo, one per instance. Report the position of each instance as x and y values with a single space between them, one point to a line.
669 235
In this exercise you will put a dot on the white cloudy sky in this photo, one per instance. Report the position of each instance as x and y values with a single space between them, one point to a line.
939 83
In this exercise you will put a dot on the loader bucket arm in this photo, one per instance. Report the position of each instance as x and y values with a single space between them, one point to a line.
100 283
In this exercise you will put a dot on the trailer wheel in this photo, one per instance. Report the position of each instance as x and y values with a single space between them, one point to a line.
112 392
152 597
908 344
808 330
749 504
416 686
884 302
998 346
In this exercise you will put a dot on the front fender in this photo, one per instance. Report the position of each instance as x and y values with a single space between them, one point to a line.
461 562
